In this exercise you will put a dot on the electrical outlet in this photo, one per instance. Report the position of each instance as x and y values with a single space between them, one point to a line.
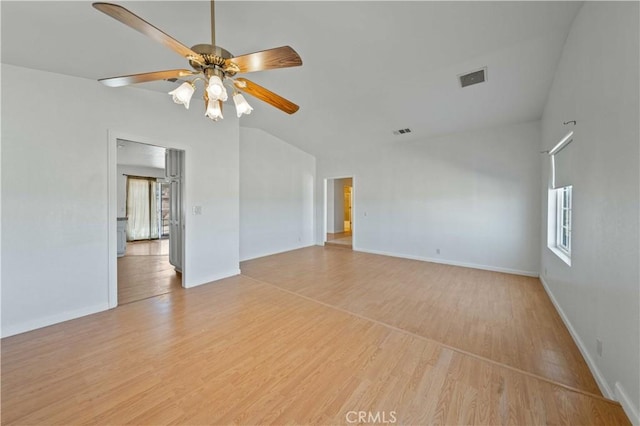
437 251
599 347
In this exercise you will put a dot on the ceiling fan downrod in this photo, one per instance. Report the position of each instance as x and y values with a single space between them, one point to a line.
213 23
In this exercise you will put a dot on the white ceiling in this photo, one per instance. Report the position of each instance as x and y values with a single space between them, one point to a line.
140 154
369 67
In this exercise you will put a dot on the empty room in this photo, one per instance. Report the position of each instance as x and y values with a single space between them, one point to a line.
319 212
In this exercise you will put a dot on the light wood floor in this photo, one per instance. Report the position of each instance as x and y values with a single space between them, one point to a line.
505 318
340 239
144 271
148 248
251 351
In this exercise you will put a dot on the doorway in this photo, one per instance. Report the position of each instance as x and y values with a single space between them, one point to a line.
348 201
149 197
339 224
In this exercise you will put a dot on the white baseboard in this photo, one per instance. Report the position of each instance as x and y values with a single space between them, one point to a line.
451 262
602 383
216 277
11 330
14 329
630 409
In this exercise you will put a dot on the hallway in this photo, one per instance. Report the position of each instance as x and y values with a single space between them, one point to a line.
145 271
340 239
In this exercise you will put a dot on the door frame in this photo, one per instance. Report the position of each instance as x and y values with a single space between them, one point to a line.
112 203
353 208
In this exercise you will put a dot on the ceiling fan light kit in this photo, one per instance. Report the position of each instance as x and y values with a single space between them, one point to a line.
214 110
242 106
216 90
212 64
184 92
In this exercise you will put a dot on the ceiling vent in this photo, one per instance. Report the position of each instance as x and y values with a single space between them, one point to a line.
473 77
401 131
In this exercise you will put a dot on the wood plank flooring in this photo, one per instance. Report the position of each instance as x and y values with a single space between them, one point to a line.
505 318
340 239
148 248
145 271
250 351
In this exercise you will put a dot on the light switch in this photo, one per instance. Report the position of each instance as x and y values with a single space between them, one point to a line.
197 210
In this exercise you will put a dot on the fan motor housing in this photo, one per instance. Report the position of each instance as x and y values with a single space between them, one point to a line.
214 56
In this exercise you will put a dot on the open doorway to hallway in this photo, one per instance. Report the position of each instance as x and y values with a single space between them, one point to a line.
144 271
339 212
149 220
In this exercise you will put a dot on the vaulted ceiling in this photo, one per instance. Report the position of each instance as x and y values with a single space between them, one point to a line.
369 67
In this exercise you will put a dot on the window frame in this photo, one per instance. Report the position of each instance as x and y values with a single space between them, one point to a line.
564 212
560 204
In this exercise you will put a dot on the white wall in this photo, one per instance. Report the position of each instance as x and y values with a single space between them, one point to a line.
122 182
276 195
54 190
473 195
596 83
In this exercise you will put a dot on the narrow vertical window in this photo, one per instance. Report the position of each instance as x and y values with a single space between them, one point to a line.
563 206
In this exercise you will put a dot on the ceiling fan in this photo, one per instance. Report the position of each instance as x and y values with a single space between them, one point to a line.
211 64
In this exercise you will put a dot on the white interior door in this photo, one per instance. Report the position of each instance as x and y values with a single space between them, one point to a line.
174 172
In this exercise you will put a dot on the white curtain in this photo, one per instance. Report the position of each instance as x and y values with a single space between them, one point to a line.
562 159
142 206
562 164
154 226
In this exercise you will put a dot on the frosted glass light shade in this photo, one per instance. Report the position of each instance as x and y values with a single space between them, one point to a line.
184 92
213 110
215 89
242 106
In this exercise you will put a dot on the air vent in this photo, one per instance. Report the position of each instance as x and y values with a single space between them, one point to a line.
473 77
401 131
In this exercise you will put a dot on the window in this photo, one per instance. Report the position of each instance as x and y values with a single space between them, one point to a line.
563 220
560 198
142 208
559 224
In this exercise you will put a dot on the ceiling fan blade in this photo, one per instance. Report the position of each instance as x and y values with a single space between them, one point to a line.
132 20
279 57
251 88
125 80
